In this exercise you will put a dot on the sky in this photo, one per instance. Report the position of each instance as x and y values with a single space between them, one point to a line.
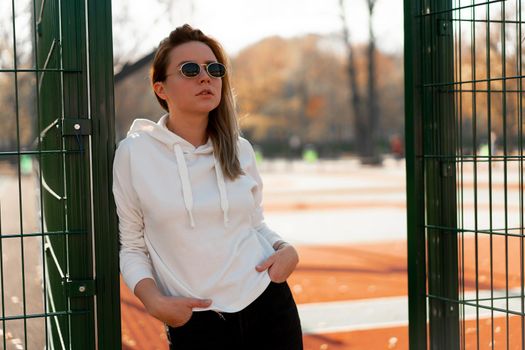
239 23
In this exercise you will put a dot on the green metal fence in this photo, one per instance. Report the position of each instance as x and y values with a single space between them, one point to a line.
58 244
464 130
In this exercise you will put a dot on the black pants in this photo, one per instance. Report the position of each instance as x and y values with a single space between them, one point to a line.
271 322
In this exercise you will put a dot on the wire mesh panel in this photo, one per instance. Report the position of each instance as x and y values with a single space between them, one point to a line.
59 288
465 173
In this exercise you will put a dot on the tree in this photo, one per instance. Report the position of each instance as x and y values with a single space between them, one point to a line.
371 154
356 102
366 121
129 39
492 53
18 90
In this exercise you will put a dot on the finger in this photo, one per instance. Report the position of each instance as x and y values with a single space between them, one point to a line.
265 265
192 302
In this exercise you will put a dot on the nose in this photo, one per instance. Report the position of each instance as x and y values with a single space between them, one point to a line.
203 75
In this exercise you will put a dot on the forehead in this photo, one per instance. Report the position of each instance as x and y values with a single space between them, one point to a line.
195 51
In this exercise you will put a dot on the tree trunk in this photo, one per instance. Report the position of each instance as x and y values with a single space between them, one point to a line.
372 155
360 124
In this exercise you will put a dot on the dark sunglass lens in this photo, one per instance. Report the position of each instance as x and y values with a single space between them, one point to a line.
190 69
216 70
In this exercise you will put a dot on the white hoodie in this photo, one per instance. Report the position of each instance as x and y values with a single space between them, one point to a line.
181 223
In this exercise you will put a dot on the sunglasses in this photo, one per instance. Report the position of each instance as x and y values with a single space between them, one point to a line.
192 69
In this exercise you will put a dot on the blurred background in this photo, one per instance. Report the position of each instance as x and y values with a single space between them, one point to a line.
319 87
303 71
320 95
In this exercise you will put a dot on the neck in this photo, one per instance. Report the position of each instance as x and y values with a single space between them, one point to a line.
191 128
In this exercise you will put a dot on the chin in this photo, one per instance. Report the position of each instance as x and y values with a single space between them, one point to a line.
202 110
202 107
210 108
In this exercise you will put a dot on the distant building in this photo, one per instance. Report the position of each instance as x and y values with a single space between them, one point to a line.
134 97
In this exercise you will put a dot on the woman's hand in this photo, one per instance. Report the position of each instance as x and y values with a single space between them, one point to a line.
280 264
173 311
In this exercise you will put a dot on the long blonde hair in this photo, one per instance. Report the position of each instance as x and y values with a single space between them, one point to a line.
223 127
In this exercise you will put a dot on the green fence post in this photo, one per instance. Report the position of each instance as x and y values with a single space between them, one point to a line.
103 139
77 115
454 109
440 166
49 47
417 307
76 130
431 183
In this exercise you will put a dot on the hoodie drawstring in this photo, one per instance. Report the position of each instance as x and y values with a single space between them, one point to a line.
186 186
222 190
185 181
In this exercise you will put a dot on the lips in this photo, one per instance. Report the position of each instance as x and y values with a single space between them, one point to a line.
205 92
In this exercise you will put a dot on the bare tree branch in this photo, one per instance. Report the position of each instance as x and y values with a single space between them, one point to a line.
130 38
356 100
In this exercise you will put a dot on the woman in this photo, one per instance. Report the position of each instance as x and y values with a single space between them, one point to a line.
194 246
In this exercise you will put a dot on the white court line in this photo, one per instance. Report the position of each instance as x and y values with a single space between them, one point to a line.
3 184
346 316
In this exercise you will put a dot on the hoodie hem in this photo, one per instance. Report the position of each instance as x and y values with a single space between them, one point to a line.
236 307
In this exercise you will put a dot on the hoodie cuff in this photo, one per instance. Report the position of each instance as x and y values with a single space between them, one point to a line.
132 278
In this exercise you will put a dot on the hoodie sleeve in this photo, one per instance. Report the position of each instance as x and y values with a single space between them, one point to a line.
135 263
258 216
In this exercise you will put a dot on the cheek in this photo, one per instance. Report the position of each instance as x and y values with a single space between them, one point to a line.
178 92
180 88
219 88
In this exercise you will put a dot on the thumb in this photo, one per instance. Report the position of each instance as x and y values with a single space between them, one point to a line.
265 265
192 302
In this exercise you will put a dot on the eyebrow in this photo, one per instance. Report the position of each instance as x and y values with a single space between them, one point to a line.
206 62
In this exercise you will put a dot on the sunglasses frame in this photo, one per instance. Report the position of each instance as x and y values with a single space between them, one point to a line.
206 67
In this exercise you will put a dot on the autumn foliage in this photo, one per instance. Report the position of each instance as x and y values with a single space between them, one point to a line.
288 88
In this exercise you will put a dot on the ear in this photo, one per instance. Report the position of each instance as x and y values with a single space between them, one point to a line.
158 87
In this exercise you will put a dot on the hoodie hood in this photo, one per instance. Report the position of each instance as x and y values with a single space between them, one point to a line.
180 147
160 132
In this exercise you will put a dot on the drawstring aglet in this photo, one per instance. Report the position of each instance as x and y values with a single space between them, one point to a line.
192 222
226 220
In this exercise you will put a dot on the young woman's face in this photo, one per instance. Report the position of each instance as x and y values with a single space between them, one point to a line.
196 95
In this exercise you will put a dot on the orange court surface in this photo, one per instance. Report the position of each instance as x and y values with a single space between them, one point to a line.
348 223
324 274
334 273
